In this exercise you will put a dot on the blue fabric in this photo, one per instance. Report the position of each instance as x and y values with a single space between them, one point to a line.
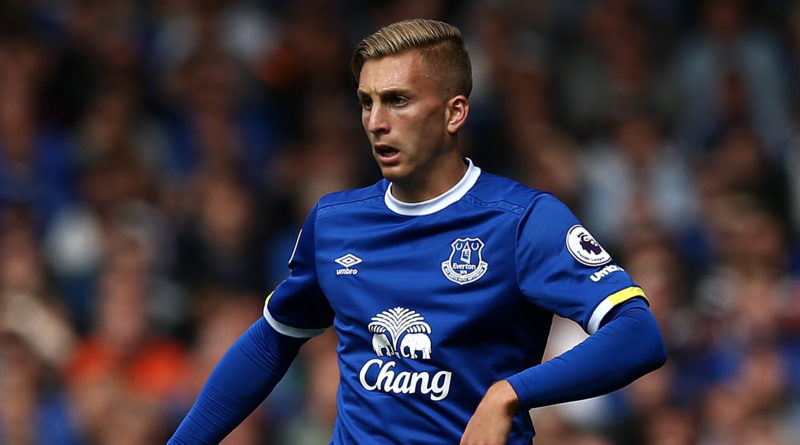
243 378
420 294
627 346
434 302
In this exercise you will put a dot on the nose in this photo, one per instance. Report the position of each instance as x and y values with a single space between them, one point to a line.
375 119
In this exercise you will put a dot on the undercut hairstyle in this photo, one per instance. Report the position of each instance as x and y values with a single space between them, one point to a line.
441 46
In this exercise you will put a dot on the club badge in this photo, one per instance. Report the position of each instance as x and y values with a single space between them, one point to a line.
465 264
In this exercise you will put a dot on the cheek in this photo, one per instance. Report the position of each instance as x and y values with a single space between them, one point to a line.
431 129
419 127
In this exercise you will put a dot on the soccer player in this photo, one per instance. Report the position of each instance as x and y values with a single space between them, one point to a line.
441 281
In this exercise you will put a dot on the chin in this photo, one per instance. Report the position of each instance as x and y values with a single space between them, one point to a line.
392 172
391 177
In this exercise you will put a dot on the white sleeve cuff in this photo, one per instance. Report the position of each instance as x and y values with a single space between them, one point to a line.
609 302
286 329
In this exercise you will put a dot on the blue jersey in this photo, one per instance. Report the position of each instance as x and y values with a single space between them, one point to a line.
435 301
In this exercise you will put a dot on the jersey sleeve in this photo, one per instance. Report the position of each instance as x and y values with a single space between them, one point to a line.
297 307
562 268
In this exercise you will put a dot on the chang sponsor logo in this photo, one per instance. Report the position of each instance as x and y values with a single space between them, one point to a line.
377 375
403 334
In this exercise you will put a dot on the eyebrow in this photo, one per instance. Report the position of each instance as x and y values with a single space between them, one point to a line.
389 92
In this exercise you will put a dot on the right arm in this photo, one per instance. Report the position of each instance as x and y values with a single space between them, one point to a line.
296 311
242 379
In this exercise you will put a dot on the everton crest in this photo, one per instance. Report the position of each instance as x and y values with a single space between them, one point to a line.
465 264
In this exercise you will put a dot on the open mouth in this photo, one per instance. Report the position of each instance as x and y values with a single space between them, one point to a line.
385 152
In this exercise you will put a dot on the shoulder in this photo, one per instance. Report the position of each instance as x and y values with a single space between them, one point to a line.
506 193
346 200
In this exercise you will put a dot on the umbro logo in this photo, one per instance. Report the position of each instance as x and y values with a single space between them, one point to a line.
347 261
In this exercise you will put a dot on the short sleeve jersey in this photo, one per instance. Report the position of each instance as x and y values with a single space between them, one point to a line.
434 301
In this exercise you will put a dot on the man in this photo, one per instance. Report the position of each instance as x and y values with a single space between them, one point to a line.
441 281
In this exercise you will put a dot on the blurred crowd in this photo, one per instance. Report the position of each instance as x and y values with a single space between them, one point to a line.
158 157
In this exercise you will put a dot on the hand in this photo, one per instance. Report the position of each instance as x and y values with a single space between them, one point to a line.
491 423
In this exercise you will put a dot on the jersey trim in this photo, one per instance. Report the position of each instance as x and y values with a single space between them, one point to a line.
438 203
286 329
609 302
294 250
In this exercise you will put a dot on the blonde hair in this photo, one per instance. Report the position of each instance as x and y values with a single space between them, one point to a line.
441 45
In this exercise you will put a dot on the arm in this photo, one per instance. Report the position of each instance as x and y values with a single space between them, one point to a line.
626 347
242 379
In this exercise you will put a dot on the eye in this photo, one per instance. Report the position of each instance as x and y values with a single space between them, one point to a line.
398 101
365 102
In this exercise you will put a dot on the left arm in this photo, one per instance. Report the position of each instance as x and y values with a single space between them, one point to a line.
627 346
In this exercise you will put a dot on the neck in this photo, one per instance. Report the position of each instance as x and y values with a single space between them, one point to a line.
445 177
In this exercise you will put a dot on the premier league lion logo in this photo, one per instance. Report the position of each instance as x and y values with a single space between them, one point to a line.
583 247
465 264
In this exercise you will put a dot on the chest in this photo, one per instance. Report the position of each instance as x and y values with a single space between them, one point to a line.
447 272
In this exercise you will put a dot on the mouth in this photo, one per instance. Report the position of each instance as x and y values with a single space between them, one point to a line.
386 154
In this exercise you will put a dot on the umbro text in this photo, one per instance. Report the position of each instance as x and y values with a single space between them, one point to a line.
604 272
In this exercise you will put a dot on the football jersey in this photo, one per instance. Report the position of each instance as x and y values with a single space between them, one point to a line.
435 301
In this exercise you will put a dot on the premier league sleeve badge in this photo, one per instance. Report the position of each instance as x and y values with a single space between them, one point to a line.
584 248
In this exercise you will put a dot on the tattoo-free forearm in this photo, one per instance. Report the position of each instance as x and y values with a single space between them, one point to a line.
244 376
626 347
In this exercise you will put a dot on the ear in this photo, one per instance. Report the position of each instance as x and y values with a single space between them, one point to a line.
457 111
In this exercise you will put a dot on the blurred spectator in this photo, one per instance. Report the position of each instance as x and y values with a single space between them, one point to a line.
635 178
116 197
728 73
613 60
544 156
98 44
220 245
737 166
310 52
28 307
211 126
651 414
132 421
739 163
116 124
36 163
36 340
33 406
241 27
123 360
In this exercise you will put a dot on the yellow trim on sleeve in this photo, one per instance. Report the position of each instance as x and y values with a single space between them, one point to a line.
626 294
610 302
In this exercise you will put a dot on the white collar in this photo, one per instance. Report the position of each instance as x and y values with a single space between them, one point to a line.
438 203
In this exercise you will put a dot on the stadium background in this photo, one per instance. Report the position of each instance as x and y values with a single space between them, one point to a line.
157 158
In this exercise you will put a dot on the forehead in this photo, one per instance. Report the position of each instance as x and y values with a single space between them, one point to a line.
405 71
